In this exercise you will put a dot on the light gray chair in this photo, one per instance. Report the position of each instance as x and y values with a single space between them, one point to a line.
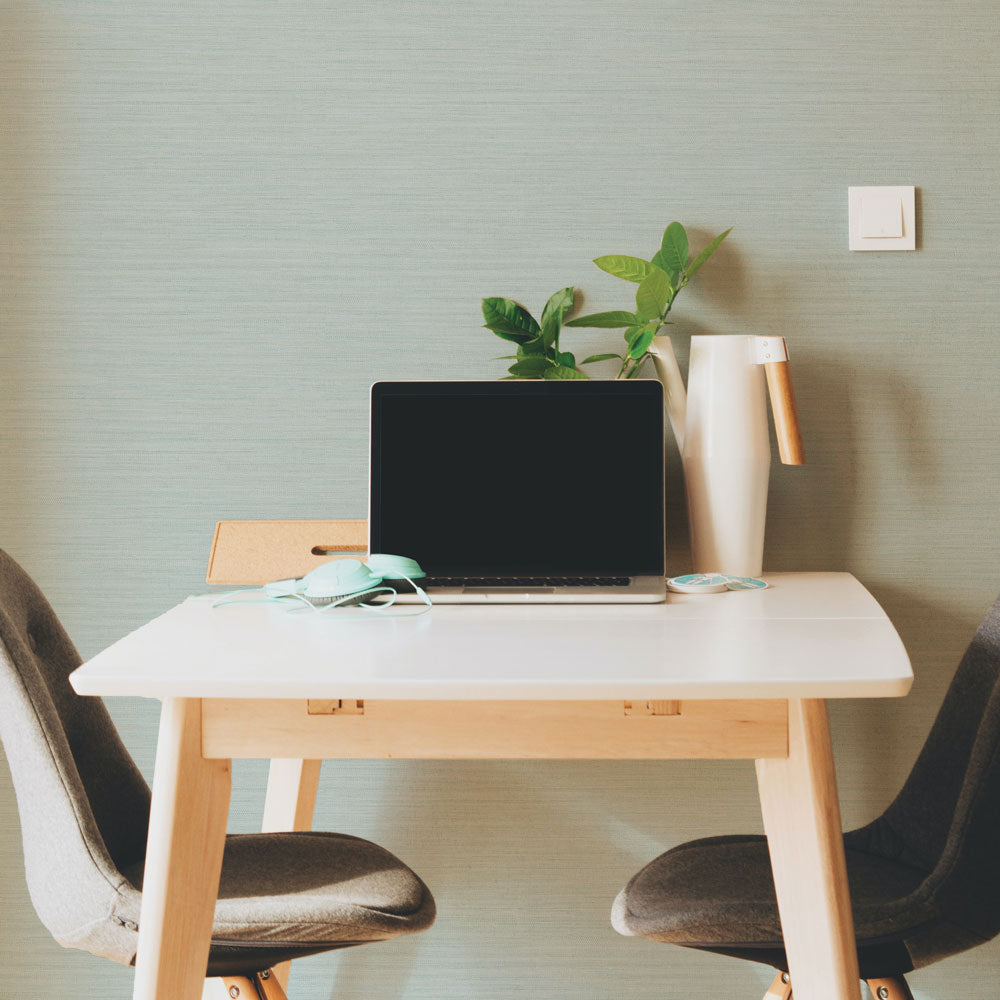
924 876
84 811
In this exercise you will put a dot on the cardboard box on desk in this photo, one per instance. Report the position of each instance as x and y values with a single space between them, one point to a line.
256 552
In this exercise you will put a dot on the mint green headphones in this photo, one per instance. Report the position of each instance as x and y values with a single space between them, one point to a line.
342 582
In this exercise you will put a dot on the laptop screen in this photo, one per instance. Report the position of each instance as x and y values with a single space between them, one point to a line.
530 478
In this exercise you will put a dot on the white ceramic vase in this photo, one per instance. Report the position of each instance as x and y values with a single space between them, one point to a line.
727 455
720 423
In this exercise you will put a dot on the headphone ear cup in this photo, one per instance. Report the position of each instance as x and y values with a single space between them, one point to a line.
391 567
337 578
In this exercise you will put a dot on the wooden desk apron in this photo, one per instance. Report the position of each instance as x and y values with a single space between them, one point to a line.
323 728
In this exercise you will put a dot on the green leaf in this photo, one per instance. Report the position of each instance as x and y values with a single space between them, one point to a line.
552 316
509 320
504 335
531 349
561 371
561 302
622 266
661 262
600 357
608 320
506 357
707 252
653 294
530 367
641 343
631 333
566 359
674 250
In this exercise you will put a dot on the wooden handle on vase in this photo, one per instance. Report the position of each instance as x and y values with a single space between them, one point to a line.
786 414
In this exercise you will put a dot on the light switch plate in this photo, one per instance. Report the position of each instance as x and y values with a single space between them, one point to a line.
882 218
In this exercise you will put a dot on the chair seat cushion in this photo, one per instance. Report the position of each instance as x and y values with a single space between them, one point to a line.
719 891
305 892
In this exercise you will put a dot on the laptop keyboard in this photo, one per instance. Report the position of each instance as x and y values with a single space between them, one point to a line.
525 581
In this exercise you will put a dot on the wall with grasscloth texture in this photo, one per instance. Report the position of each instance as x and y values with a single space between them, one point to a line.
219 222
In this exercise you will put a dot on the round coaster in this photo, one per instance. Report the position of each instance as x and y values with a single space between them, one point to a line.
698 583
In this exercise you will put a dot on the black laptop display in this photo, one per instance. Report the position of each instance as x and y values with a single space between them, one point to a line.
523 489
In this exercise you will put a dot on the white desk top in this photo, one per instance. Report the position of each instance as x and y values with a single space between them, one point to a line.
810 635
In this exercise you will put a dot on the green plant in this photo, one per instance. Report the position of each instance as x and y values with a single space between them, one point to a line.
660 280
538 354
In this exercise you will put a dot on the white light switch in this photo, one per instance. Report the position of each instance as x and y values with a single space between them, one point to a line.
882 218
881 215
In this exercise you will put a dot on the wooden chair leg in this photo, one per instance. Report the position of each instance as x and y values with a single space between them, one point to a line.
240 988
889 989
269 987
780 989
263 986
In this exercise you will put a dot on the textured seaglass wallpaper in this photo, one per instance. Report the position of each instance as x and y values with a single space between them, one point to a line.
219 222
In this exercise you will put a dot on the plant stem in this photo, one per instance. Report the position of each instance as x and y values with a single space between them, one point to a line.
626 372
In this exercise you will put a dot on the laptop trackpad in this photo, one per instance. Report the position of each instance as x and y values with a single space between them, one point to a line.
509 590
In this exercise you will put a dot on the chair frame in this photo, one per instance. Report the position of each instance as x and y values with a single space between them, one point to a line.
261 986
894 988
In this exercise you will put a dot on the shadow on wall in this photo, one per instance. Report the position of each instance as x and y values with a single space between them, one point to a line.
518 848
883 736
723 280
845 404
21 180
860 423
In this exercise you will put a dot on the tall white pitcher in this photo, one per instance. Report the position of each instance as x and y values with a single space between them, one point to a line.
721 428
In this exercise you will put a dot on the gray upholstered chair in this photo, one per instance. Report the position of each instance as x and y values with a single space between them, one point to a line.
924 876
84 811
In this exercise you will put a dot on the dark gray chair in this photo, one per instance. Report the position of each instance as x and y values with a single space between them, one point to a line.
924 876
84 811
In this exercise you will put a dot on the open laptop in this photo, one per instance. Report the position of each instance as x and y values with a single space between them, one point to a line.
515 491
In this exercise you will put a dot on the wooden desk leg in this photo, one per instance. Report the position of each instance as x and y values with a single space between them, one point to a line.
798 799
187 834
291 801
291 795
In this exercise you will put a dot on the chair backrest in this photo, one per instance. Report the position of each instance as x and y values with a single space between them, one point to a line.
946 818
83 804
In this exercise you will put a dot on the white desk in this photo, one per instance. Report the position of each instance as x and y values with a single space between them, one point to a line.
733 675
